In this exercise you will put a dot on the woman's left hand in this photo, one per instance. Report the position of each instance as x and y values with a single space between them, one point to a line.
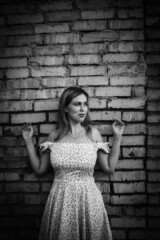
118 128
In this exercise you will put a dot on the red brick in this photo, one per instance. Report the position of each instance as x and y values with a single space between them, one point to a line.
16 106
139 234
120 81
63 16
126 47
46 105
82 71
135 129
99 14
153 141
138 92
89 25
129 176
130 164
154 211
130 13
126 24
101 176
51 28
133 152
94 81
133 116
57 5
153 188
83 59
111 115
21 187
127 103
8 141
23 83
47 128
46 187
119 57
12 176
28 117
153 152
58 82
24 40
15 51
35 199
13 62
154 130
53 117
129 200
16 152
27 18
113 91
4 118
89 48
154 176
127 4
51 50
153 106
95 103
16 30
118 234
62 38
153 164
128 222
134 140
92 4
46 61
153 94
127 69
108 35
48 71
15 130
38 94
132 35
153 199
18 73
120 188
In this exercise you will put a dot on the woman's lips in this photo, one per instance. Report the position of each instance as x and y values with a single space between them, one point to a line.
81 115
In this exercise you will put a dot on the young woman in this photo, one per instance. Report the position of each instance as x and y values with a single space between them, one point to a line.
75 209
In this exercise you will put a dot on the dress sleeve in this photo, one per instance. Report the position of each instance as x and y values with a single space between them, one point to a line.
104 146
46 145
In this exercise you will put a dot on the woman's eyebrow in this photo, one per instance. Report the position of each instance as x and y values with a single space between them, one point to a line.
80 102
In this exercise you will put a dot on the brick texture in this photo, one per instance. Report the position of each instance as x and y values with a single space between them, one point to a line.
109 48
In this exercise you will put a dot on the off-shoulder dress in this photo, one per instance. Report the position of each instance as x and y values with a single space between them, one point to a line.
74 209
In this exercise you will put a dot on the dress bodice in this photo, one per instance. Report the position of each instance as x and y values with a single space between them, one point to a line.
74 159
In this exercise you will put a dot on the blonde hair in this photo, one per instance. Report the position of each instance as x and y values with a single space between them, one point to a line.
63 122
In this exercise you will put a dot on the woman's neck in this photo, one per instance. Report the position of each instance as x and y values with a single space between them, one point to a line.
75 128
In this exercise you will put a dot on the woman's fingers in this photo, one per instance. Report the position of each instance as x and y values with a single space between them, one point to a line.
27 127
118 123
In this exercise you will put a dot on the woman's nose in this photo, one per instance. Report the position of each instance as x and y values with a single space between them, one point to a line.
82 107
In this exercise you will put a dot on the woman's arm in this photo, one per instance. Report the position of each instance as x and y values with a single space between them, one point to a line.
41 164
109 161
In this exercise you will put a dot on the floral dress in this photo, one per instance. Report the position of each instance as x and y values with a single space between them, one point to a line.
74 209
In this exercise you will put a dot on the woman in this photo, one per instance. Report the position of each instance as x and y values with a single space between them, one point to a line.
74 208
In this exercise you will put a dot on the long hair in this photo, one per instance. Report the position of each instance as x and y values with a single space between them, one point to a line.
63 122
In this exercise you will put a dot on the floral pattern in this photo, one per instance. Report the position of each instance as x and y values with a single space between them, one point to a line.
74 209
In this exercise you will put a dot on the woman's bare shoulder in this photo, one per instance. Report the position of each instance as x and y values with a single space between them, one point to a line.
96 136
53 135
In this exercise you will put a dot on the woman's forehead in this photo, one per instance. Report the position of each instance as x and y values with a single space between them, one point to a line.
80 98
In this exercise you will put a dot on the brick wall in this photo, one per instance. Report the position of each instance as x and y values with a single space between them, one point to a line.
111 49
153 118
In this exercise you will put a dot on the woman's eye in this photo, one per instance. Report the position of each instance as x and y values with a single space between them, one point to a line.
76 104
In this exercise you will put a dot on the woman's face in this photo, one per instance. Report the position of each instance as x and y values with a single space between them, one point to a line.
77 109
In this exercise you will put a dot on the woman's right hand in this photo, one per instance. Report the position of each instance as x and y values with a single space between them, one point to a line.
27 132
